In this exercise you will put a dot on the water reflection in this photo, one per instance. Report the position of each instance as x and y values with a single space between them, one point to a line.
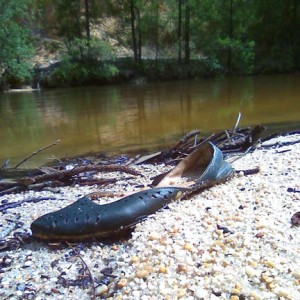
122 118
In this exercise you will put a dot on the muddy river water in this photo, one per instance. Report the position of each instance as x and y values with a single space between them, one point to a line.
121 118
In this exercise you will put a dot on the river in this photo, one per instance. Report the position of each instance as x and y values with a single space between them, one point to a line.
122 118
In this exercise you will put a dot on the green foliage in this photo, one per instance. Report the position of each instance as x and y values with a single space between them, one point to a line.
217 37
16 45
68 15
242 54
83 64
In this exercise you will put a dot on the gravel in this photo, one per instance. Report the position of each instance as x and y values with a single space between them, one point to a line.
233 241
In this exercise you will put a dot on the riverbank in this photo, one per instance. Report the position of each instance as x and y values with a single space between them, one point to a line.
233 241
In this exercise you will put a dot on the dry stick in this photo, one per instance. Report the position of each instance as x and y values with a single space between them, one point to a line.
237 123
6 206
89 271
185 139
36 152
63 174
249 171
12 190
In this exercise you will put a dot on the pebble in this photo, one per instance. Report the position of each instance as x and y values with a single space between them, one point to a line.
101 289
181 293
122 283
162 269
141 273
201 293
28 263
296 274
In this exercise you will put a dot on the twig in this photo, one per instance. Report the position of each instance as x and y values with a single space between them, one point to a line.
5 165
185 138
249 171
36 152
86 266
6 206
237 123
97 195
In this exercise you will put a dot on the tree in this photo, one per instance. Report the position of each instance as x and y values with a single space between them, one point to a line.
179 29
277 37
16 45
87 22
187 33
133 30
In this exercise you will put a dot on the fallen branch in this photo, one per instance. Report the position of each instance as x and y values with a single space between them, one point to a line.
64 175
14 189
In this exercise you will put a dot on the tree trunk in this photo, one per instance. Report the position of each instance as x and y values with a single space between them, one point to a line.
230 35
139 50
133 33
179 29
87 22
156 31
187 33
295 34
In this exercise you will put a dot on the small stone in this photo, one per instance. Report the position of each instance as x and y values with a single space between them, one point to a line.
114 247
101 289
255 296
122 282
283 293
141 274
267 279
250 272
182 268
201 293
162 269
181 293
234 297
188 247
154 236
253 264
19 293
296 274
136 294
220 244
134 259
295 220
148 268
259 235
269 264
236 290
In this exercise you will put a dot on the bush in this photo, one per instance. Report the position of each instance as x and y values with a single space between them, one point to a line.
84 64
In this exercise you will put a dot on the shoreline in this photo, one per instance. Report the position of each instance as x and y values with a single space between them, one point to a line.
233 241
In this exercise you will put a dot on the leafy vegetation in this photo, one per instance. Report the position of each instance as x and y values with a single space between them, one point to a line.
16 19
167 38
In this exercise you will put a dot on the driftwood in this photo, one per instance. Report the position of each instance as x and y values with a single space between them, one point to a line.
229 141
57 178
65 175
15 180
